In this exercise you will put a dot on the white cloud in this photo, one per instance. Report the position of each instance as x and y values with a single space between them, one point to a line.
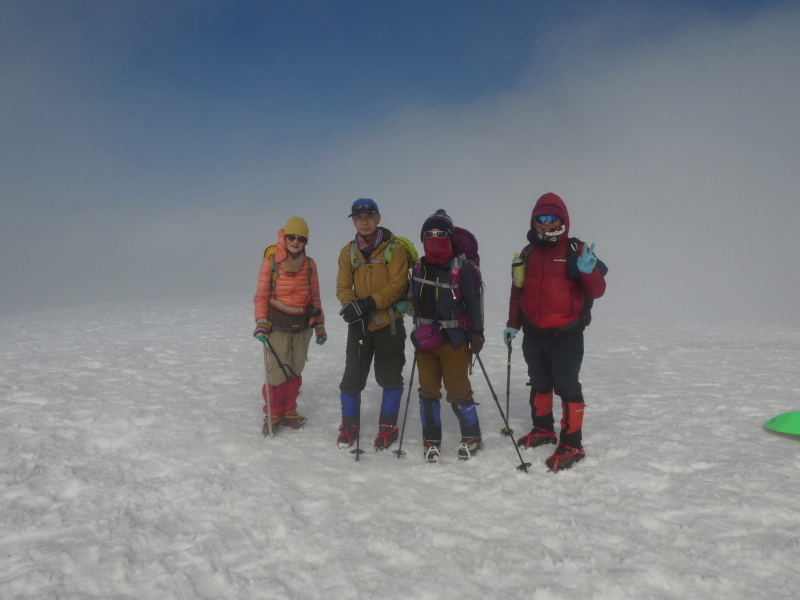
677 157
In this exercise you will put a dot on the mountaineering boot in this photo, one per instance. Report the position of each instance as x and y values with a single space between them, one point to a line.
387 434
470 429
347 435
348 431
293 421
431 450
387 428
291 391
469 447
429 413
564 457
537 437
276 421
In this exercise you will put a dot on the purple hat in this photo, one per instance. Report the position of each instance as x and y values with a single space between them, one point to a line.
548 209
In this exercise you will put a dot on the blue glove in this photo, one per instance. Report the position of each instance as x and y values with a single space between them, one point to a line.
401 306
322 337
509 334
587 260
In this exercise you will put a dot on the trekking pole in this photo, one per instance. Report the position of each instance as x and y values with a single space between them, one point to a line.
523 465
399 450
280 364
358 451
269 395
506 430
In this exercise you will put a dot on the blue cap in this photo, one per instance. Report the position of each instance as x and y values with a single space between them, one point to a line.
366 205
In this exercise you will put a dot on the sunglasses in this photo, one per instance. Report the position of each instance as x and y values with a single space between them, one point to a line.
290 237
433 234
367 208
547 219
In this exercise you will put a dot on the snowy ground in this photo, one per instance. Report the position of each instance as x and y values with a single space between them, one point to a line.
132 466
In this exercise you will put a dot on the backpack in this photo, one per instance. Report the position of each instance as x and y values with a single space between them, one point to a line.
573 249
465 252
465 245
388 252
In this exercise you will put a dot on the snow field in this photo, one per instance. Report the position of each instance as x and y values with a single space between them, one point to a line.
132 466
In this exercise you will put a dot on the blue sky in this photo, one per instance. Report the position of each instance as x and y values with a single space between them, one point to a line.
150 149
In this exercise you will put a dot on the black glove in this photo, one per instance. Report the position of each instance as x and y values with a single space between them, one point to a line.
358 309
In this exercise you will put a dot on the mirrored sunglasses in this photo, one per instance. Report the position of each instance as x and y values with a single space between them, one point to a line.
433 234
290 237
547 219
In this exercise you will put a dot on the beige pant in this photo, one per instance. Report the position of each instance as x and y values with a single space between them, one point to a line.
292 349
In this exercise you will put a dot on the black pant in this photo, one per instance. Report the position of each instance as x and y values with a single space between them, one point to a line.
554 363
389 353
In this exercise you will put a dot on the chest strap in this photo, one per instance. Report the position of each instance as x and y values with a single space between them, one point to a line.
449 324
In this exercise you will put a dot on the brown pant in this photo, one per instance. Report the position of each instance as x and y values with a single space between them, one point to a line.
448 364
292 349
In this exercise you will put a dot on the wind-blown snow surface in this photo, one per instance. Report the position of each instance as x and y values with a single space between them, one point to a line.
132 466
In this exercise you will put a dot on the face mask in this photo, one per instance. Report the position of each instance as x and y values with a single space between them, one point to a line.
552 236
437 250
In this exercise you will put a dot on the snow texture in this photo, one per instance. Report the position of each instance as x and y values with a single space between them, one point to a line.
132 466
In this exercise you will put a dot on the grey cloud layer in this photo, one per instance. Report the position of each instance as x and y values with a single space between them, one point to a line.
678 159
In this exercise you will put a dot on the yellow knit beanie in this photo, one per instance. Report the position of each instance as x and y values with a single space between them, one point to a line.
296 226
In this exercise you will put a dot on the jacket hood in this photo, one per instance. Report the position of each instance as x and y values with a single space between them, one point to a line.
555 200
282 252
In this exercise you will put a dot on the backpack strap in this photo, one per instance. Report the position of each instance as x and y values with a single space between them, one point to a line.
439 284
455 275
586 315
450 324
574 247
454 285
356 262
526 252
311 266
275 271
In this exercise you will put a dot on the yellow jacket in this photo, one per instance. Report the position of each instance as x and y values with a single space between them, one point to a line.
385 283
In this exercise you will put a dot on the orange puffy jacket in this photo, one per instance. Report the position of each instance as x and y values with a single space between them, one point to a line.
296 285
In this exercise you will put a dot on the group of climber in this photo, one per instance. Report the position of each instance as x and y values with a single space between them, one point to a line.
380 279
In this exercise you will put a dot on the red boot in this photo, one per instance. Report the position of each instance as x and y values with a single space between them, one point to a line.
542 415
348 431
537 437
276 400
564 457
290 416
387 434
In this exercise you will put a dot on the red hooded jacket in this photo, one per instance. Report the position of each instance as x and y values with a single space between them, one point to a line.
550 298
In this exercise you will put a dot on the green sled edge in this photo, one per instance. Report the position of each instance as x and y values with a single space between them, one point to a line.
788 422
